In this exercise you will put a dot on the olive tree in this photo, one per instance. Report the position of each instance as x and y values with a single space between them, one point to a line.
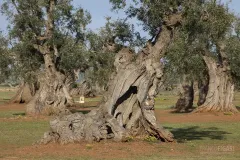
41 27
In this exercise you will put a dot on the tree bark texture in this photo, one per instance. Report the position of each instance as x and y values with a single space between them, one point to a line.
84 89
221 88
25 93
185 101
53 96
128 106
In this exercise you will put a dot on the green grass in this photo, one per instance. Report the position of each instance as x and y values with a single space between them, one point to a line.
22 133
5 96
192 137
202 133
11 114
165 101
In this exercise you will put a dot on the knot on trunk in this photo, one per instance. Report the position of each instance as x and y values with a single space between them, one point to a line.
123 58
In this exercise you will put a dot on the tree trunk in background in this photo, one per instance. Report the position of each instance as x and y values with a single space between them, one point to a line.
128 106
221 88
53 96
83 89
185 101
25 93
203 90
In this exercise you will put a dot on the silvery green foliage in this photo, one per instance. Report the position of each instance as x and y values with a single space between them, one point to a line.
5 59
27 26
205 23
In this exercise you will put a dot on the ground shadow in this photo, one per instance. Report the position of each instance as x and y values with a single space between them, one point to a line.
86 105
197 133
19 114
238 108
79 111
175 111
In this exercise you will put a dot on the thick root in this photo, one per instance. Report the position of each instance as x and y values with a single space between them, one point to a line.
78 127
97 126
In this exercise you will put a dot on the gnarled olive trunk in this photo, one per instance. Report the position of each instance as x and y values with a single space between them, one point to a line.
128 106
203 90
221 88
83 89
25 93
185 101
53 97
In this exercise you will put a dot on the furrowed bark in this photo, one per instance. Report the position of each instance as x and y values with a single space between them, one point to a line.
24 94
221 87
53 96
185 101
128 106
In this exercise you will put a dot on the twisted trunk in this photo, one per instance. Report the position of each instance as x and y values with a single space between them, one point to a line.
25 93
185 101
128 106
221 88
53 97
83 89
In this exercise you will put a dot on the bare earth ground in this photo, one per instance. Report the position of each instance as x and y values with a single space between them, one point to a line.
109 150
198 136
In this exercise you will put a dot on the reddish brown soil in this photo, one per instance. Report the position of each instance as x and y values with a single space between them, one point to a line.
168 116
108 149
164 116
97 150
12 107
102 150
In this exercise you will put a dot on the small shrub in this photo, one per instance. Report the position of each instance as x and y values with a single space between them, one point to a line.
151 139
89 146
128 139
228 113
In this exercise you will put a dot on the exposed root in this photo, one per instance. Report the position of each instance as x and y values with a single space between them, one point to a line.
214 108
93 127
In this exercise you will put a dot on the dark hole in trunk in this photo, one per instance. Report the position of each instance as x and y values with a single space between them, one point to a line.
130 91
130 115
109 129
119 113
71 126
22 101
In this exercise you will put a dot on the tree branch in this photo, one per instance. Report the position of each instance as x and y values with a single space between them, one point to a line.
16 7
40 48
50 21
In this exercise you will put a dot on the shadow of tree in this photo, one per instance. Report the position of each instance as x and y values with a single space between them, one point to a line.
175 111
19 114
79 111
238 108
197 133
